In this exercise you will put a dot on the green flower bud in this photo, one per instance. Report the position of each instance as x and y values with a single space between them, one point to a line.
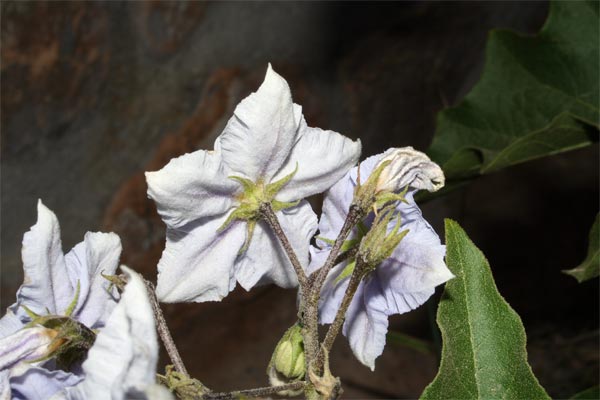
288 362
378 244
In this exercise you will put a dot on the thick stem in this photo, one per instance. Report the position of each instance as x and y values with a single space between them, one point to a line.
269 215
163 331
340 316
258 392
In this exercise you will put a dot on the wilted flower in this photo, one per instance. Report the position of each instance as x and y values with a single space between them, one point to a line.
210 200
400 283
122 362
57 291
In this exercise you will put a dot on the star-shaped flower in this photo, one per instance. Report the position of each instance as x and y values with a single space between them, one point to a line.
400 283
210 200
56 285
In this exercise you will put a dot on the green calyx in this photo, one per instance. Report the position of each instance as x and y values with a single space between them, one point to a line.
288 358
378 244
72 340
183 387
370 196
253 196
71 343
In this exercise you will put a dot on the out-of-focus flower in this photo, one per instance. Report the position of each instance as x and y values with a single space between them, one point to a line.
122 362
59 294
400 283
210 200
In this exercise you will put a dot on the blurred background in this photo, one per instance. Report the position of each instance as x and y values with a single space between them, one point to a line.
95 93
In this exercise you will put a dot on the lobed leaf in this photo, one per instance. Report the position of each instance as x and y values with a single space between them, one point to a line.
537 96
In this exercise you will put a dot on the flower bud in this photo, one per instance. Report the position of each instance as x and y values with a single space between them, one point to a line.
396 171
408 167
27 344
380 242
288 362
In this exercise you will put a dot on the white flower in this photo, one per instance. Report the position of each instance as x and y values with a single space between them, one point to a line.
122 362
52 279
208 199
402 282
55 284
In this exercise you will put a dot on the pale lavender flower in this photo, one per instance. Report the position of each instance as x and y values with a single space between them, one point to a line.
122 362
402 282
263 143
56 284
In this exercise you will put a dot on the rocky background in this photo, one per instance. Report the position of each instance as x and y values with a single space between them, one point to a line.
95 93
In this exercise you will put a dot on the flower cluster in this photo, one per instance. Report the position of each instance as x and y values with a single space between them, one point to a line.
235 214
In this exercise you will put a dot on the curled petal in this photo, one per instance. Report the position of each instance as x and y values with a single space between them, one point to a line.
26 345
323 158
409 167
190 187
258 138
46 285
98 254
123 359
197 263
265 261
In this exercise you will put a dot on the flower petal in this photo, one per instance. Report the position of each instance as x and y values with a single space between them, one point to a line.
198 263
4 385
46 285
416 267
123 358
25 345
335 209
98 254
37 383
322 157
366 323
261 133
10 323
265 261
192 186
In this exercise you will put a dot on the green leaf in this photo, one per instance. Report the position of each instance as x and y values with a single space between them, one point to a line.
483 354
402 339
592 393
537 96
590 267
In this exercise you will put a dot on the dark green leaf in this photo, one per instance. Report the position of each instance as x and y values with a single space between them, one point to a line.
588 394
537 96
483 354
590 267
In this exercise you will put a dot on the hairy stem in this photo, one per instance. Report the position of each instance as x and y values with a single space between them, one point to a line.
258 392
269 215
334 328
311 305
163 331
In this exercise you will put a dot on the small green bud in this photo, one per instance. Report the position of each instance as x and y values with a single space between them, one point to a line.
288 363
378 244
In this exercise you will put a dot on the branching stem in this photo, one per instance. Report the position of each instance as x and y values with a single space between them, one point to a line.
163 331
258 392
269 215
